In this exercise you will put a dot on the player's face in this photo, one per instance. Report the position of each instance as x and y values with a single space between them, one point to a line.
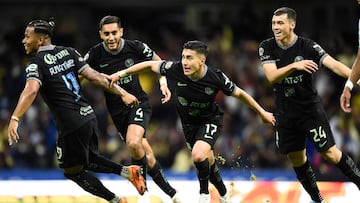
111 35
192 63
31 41
283 28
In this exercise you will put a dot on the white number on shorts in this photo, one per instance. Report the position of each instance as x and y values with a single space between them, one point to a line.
318 134
210 130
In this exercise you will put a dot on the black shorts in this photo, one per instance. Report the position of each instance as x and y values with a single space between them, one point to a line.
208 132
291 133
139 115
74 148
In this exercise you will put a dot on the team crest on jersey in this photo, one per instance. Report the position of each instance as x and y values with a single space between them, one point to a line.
168 64
298 58
209 90
129 62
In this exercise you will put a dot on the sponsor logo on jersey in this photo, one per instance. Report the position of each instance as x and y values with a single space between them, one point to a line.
168 64
86 110
52 59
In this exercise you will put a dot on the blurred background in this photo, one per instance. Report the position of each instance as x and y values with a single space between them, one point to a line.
232 28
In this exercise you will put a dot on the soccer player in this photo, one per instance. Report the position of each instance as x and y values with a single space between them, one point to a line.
289 62
52 70
113 54
353 78
196 86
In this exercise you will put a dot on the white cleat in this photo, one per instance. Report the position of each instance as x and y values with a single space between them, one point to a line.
145 198
204 198
177 198
317 202
226 197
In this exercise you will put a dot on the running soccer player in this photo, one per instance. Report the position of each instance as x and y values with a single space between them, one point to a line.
196 86
289 62
52 70
113 54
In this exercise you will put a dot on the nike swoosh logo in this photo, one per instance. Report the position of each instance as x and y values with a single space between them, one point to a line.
103 65
322 144
181 84
138 119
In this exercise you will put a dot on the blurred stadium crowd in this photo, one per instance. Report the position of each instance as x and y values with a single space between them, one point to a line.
232 31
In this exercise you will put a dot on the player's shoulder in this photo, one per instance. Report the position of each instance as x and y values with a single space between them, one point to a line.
268 42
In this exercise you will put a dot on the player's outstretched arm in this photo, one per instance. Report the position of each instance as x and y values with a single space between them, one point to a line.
99 79
137 68
267 117
27 97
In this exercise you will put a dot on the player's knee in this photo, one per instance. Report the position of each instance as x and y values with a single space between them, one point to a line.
198 156
333 155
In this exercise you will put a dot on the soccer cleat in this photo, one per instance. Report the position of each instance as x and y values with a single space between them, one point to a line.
226 197
176 198
136 178
204 198
144 198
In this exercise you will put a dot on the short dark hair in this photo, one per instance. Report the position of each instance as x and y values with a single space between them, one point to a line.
198 46
286 10
43 27
108 20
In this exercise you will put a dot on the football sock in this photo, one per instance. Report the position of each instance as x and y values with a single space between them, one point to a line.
348 167
306 176
216 180
203 173
98 163
91 184
159 178
142 163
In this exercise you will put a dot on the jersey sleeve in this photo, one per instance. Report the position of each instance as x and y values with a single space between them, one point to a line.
80 62
227 86
166 67
90 58
265 52
33 71
144 50
317 52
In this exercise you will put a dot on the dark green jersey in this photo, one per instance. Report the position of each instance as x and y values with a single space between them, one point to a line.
295 94
195 99
109 62
56 68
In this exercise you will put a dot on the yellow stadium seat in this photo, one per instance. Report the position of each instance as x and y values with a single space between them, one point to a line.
9 199
42 199
61 199
86 199
28 199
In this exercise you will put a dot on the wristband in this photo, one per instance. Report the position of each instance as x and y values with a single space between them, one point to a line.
163 81
122 74
15 118
349 84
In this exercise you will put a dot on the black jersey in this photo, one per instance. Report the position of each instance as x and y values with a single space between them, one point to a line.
106 61
56 69
195 100
295 94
